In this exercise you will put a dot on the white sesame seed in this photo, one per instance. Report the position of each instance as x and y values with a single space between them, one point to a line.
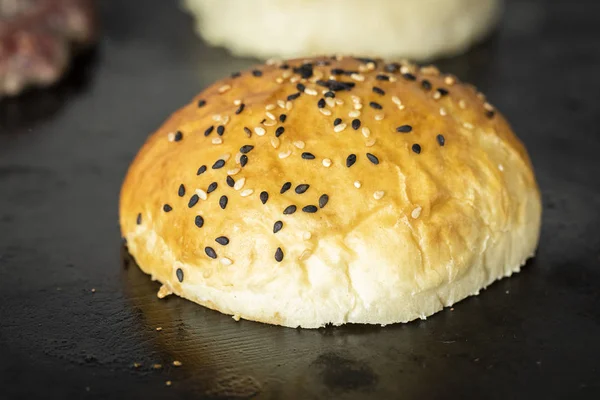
238 156
260 131
216 117
401 107
246 192
430 70
286 74
330 102
370 142
310 92
325 111
239 183
362 68
481 96
306 235
354 114
393 79
294 79
500 167
378 194
225 157
370 65
339 102
449 80
285 154
270 123
281 103
404 69
326 162
358 106
202 194
462 104
224 120
279 80
442 111
379 117
289 105
272 61
357 77
224 88
437 95
217 140
355 99
305 254
339 128
488 106
468 125
357 184
416 212
234 170
270 115
171 136
270 107
299 144
226 261
396 100
366 131
237 102
275 142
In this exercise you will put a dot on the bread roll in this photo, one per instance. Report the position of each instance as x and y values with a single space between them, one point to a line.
331 190
417 29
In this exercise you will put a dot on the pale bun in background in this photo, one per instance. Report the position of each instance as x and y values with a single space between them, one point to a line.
430 195
416 29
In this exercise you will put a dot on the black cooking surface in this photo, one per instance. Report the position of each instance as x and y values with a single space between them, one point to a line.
64 153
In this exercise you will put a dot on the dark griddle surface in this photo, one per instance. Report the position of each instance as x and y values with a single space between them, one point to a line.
64 152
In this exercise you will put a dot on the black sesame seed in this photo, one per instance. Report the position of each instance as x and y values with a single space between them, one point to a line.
248 131
178 136
404 128
230 181
282 118
264 196
218 164
220 130
181 190
442 91
392 67
337 121
366 60
426 84
167 208
409 77
236 74
337 71
209 130
279 255
290 210
350 160
378 90
263 121
308 156
323 200
240 108
284 66
302 188
300 87
246 149
375 105
279 131
286 186
193 201
256 73
321 103
199 221
222 240
329 94
373 158
310 209
277 226
416 148
201 170
441 140
381 77
293 96
179 273
223 201
138 220
210 252
305 70
212 187
201 103
490 113
243 160
355 124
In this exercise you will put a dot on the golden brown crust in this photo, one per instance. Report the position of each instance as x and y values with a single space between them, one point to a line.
408 229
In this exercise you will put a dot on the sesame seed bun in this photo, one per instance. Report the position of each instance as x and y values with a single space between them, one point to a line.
331 191
416 29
